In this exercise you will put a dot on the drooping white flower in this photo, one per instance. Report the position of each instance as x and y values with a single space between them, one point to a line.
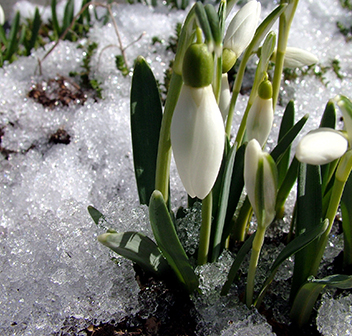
2 16
260 178
242 28
225 96
297 58
197 139
261 114
321 146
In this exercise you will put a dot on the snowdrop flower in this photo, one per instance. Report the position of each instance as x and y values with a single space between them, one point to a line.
260 178
261 114
321 146
225 96
297 58
240 33
2 16
197 128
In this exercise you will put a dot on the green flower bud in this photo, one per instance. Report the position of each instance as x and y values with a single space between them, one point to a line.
228 60
265 90
198 66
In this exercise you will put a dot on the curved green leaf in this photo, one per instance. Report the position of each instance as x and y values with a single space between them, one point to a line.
136 247
168 242
146 115
294 246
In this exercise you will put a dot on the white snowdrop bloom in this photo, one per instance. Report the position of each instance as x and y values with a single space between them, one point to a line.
297 58
197 139
242 28
2 16
225 96
261 114
260 178
321 146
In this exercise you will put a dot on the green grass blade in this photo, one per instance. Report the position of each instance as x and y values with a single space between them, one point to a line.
13 38
329 116
146 116
68 15
138 248
56 26
168 242
37 21
203 22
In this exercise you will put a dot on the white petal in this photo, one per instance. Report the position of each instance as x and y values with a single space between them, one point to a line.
225 96
260 120
251 159
197 138
321 146
297 58
242 27
2 16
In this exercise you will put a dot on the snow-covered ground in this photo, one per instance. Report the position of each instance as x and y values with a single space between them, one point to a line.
53 272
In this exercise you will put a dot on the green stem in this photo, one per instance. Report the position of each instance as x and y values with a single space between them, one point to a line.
164 147
284 29
205 230
256 248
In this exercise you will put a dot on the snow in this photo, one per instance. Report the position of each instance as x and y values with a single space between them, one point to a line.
53 272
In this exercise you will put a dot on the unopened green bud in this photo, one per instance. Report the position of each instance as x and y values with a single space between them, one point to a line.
198 66
265 90
228 60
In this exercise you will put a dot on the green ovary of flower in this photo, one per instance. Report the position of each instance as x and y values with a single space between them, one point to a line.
198 66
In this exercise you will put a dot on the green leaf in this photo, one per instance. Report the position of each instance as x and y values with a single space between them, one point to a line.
68 15
13 38
293 247
287 122
95 214
139 248
213 20
246 247
203 22
304 302
168 242
309 216
146 116
329 116
309 292
224 197
287 139
56 26
35 30
236 188
346 210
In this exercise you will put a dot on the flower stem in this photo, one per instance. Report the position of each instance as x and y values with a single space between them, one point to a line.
205 230
164 147
284 29
256 248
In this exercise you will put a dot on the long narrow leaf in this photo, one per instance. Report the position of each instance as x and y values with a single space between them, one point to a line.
246 247
168 242
224 197
287 122
13 38
56 26
309 213
35 30
346 210
293 247
146 115
139 248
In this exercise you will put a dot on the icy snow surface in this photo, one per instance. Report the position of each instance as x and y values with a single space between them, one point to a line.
54 274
